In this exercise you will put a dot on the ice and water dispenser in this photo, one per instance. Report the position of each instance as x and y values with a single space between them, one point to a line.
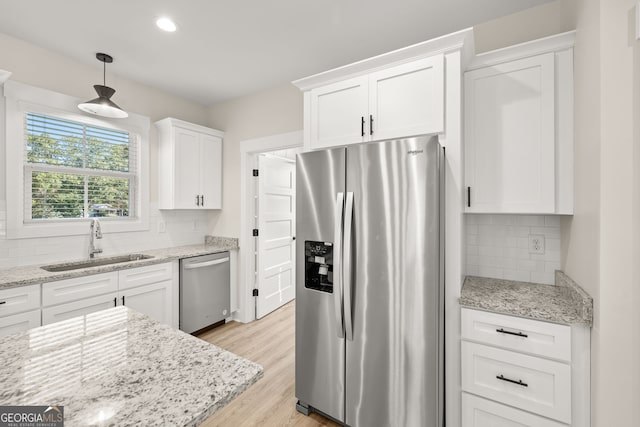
318 265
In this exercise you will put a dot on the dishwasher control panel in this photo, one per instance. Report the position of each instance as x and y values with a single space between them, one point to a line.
318 266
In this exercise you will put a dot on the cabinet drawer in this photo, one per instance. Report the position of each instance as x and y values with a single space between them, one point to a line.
144 275
78 308
19 322
17 300
531 383
63 291
478 412
514 333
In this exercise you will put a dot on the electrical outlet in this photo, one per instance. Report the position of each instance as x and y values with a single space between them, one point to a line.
536 244
161 227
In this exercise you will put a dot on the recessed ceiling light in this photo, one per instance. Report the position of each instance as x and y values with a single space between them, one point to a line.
166 24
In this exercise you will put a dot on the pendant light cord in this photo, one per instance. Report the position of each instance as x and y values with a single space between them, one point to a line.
104 73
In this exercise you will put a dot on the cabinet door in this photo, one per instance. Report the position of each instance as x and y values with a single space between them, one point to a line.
153 300
510 136
210 172
478 412
19 322
534 384
16 300
78 288
339 113
407 100
81 307
187 169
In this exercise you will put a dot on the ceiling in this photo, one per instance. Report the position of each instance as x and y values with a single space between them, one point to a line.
228 48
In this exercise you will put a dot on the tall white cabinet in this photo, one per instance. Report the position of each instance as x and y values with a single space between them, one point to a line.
519 129
190 165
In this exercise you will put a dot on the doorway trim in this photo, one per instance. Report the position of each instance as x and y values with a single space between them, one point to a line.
249 149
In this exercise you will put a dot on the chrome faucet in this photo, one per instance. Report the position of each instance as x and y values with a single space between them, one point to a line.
94 233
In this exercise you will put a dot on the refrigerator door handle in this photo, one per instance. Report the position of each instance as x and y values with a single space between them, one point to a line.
337 263
346 268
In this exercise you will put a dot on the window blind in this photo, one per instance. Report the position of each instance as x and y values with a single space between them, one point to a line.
77 170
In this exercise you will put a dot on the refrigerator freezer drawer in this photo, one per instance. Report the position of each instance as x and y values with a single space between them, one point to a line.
531 383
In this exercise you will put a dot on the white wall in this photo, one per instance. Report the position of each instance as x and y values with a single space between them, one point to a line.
35 66
274 111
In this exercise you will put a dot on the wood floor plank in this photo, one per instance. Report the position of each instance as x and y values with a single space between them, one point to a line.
270 342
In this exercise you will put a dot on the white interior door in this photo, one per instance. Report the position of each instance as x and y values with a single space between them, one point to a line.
276 224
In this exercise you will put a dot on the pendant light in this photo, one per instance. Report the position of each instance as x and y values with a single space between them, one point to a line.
102 105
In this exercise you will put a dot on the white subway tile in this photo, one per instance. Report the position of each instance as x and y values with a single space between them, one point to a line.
472 239
550 232
551 266
552 221
520 275
493 272
472 250
531 220
523 242
472 230
530 265
503 219
542 277
472 270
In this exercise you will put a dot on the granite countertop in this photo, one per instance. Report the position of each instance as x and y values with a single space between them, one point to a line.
565 302
32 274
120 367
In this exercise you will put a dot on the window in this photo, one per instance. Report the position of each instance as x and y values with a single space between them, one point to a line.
64 166
74 170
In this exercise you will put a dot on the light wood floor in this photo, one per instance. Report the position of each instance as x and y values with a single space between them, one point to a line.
270 342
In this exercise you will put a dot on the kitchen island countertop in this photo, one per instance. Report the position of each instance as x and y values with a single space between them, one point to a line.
120 367
33 274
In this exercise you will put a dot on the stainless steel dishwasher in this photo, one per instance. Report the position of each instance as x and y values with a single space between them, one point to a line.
204 291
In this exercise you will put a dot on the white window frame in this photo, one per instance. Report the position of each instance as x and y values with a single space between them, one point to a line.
21 99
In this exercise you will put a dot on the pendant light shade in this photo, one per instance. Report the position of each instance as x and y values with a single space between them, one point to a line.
103 105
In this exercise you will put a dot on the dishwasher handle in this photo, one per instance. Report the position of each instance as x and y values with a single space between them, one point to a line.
206 263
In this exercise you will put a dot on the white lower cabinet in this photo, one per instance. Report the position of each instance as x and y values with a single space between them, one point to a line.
153 300
19 309
58 313
479 412
523 372
531 383
19 322
151 290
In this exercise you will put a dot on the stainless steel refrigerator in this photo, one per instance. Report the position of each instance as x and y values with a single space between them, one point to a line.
369 312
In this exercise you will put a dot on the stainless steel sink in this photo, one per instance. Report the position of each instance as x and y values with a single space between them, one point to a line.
94 262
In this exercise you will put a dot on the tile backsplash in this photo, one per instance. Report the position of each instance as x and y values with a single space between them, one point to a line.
498 246
180 228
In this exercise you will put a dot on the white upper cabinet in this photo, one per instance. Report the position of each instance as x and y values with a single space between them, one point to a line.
338 113
395 102
395 95
407 100
519 129
190 165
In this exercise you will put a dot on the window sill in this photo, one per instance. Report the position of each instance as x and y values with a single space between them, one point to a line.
74 228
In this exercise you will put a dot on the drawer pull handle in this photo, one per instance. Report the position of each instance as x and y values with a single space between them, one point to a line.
2 302
519 382
518 334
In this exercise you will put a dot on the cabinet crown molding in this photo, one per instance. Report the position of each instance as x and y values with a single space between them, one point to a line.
170 121
460 40
552 43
